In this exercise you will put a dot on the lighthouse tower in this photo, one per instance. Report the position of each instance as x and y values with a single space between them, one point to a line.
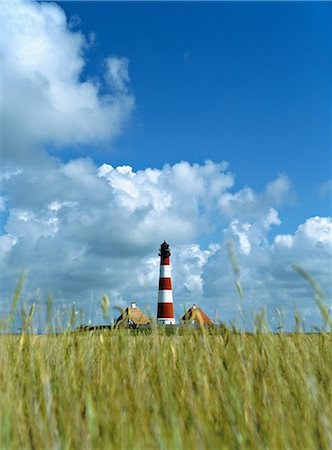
165 314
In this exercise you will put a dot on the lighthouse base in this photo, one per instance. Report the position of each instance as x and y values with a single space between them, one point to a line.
165 321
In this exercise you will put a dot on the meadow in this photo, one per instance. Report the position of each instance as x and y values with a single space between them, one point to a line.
117 389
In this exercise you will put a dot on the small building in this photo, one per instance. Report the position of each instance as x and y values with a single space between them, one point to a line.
195 316
132 317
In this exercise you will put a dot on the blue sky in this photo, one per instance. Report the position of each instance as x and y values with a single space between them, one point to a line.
124 124
246 83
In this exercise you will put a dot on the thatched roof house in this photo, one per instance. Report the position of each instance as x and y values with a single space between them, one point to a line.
131 317
195 315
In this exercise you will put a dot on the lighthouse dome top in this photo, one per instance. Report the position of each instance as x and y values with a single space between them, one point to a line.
164 249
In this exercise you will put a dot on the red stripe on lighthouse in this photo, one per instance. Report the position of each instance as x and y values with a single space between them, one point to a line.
165 283
165 310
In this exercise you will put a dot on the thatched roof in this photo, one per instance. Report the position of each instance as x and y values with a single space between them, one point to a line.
132 315
196 314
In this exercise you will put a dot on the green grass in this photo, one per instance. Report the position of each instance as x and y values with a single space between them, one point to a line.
117 390
165 388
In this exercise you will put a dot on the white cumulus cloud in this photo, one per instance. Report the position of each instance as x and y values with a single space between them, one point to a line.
98 229
47 97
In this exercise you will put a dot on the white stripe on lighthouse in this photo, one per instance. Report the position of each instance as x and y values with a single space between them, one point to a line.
165 271
165 296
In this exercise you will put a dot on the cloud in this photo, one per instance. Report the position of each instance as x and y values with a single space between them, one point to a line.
117 75
113 211
47 97
266 273
325 189
86 229
78 214
279 190
247 203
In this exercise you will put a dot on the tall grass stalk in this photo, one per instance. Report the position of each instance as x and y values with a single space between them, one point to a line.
318 296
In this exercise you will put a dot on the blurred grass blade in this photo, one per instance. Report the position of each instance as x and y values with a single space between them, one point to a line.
235 266
318 294
17 295
49 310
309 279
233 259
105 303
239 288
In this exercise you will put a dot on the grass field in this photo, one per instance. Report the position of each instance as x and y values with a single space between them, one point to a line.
119 390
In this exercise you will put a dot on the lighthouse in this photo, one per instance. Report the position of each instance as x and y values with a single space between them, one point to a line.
165 314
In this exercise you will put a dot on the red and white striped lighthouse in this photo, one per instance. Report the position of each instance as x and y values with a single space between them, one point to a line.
165 314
